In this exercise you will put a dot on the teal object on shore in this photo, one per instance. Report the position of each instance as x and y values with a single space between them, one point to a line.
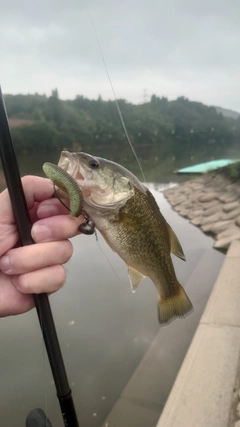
208 166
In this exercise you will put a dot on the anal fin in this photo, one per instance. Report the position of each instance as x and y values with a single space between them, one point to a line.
176 247
135 278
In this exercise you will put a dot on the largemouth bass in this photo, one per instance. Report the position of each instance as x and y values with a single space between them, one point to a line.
128 217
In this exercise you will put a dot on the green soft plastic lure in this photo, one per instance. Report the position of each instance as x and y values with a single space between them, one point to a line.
66 183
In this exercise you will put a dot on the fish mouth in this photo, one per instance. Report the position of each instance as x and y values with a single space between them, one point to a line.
69 162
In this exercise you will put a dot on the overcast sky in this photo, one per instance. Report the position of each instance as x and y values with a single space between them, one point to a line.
165 47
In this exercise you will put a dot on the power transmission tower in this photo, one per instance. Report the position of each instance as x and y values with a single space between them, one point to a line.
145 96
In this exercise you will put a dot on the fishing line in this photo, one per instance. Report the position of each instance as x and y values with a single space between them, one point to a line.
57 197
109 262
115 98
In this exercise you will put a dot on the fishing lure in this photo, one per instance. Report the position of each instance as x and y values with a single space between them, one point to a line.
66 183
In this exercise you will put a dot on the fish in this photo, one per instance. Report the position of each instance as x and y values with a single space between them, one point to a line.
127 215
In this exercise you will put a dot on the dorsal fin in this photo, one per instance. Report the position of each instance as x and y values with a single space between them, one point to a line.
176 247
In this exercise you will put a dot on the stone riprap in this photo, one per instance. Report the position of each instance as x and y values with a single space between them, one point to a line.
212 202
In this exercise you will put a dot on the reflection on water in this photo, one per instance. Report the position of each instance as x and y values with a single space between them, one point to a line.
104 331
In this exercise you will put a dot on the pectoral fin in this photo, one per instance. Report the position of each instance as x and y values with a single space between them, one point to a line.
176 247
135 278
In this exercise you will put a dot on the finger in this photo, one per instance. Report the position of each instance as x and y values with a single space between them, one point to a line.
14 301
36 189
52 207
8 237
34 257
46 280
59 227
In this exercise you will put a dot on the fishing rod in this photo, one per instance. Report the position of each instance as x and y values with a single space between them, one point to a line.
20 210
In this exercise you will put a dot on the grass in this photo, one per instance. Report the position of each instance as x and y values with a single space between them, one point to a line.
231 171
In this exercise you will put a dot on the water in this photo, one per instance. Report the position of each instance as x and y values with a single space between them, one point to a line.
104 331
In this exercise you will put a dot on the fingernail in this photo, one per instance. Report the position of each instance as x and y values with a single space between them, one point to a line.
5 263
47 210
40 232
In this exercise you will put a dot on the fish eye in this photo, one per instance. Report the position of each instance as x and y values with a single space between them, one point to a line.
94 164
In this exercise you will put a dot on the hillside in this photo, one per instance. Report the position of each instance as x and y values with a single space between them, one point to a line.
228 113
166 134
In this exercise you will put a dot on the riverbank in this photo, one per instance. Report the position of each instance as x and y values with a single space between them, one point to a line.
206 390
211 202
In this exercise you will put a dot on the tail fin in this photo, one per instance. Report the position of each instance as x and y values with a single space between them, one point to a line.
178 305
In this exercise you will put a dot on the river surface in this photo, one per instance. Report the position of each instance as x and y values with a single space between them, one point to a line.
104 330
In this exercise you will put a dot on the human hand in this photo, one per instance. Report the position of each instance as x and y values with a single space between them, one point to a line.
35 268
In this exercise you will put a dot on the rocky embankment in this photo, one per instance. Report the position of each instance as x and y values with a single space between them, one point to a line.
212 202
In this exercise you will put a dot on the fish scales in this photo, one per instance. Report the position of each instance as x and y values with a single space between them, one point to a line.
146 232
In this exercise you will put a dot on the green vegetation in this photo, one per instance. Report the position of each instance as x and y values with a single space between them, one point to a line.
166 134
232 172
235 170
